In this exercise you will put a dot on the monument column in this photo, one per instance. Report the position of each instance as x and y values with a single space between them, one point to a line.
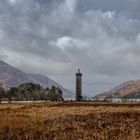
78 85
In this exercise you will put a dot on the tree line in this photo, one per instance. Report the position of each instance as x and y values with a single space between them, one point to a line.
31 92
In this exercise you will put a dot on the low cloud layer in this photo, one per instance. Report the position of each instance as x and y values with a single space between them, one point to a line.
55 37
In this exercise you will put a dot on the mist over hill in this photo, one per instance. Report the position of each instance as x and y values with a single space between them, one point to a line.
12 77
130 89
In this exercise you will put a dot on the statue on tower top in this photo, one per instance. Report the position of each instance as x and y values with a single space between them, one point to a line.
78 73
78 70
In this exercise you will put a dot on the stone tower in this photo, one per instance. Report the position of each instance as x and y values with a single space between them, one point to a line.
78 85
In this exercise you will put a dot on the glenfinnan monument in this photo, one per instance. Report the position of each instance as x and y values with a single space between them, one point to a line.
78 85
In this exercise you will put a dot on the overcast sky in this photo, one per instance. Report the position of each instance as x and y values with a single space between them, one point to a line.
56 37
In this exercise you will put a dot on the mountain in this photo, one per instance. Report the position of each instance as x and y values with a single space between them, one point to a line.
11 77
130 89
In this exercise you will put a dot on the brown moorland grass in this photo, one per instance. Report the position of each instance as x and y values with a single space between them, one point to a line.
70 121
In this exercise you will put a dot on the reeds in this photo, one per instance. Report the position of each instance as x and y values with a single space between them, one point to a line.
69 121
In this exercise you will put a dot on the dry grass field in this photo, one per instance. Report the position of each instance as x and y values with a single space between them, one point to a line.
69 121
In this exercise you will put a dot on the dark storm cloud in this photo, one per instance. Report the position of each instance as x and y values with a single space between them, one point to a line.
129 8
57 36
105 6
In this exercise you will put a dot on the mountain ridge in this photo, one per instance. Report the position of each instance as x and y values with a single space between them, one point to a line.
12 77
129 89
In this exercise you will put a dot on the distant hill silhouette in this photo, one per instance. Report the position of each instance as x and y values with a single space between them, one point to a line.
130 89
12 77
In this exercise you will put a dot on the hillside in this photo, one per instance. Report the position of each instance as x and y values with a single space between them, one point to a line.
130 89
11 77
